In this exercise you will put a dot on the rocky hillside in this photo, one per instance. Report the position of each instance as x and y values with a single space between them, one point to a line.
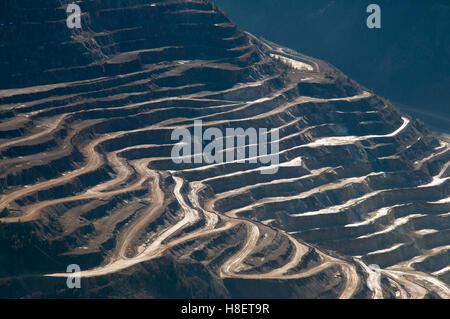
87 177
407 60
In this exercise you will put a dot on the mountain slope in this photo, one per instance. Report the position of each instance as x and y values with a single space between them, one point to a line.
407 60
87 175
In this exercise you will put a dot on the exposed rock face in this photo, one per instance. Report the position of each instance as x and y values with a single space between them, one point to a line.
407 60
85 151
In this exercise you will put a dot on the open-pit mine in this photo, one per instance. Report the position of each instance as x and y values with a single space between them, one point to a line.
87 177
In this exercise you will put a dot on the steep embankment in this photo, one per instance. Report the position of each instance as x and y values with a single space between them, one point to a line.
86 163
